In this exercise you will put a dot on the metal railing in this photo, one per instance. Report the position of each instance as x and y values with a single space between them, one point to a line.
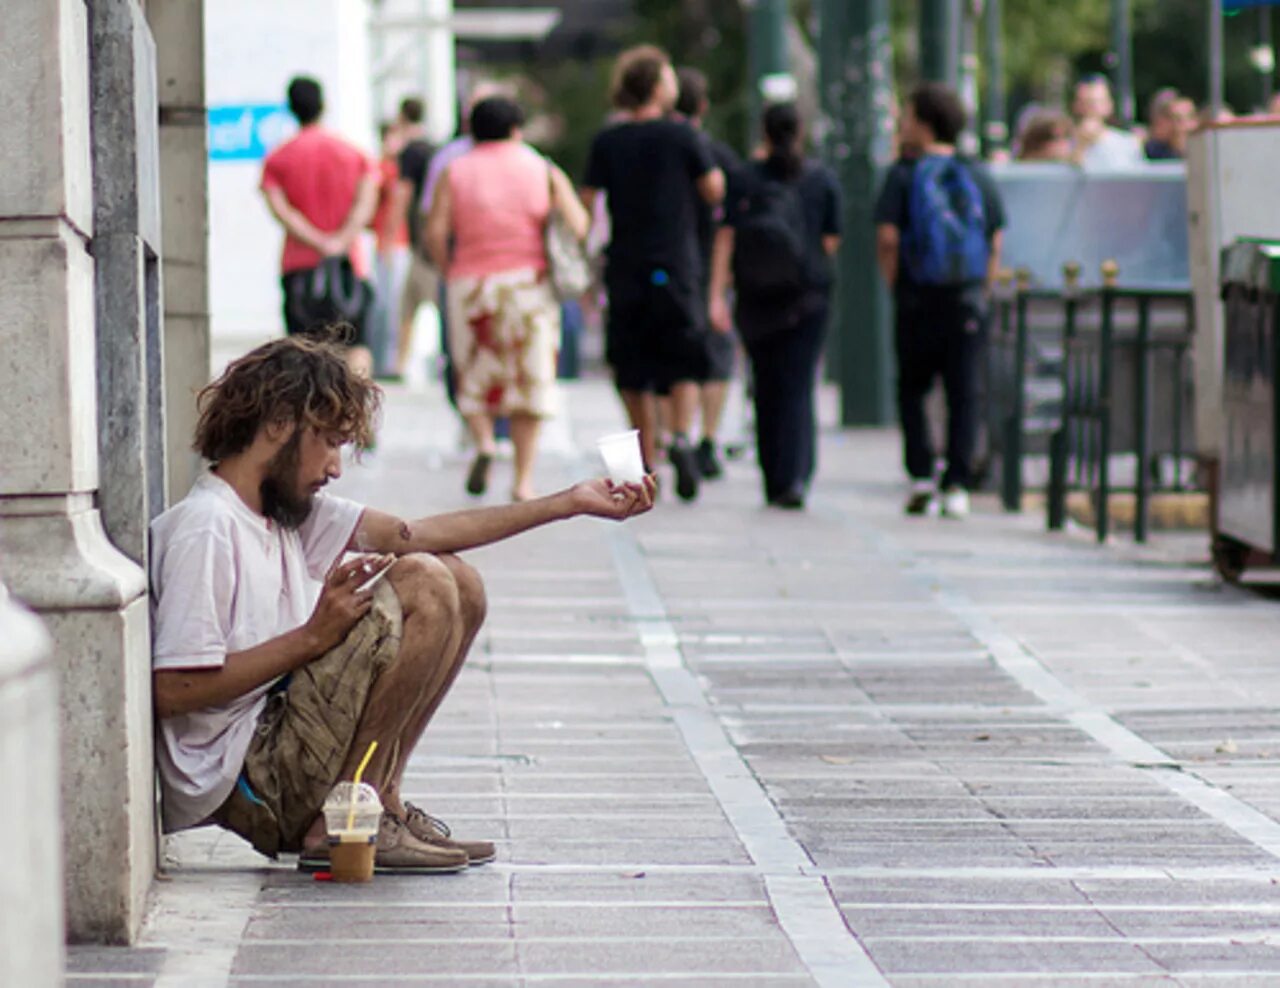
1101 348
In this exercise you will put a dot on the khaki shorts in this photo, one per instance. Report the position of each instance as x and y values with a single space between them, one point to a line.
304 734
421 285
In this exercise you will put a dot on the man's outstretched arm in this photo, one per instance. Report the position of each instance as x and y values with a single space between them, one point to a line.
462 530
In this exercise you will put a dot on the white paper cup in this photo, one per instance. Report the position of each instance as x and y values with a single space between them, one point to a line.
621 455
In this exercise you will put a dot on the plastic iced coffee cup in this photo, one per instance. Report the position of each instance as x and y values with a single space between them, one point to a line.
351 854
352 814
621 455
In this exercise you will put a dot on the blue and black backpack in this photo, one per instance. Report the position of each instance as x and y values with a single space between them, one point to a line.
945 242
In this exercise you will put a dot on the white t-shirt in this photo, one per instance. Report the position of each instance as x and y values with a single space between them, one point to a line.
1115 149
224 579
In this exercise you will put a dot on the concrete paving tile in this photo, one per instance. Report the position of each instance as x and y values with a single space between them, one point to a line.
1239 956
956 854
295 889
93 960
691 851
1061 959
587 783
874 921
736 956
686 978
329 959
1056 980
1084 808
1263 890
672 828
971 891
1137 854
879 832
659 923
1138 923
638 886
399 980
1198 831
860 809
401 923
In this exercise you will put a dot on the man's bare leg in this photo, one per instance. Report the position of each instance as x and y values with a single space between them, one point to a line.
524 435
642 412
472 607
433 635
714 396
684 407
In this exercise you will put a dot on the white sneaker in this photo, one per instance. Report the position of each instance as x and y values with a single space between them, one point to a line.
923 499
955 503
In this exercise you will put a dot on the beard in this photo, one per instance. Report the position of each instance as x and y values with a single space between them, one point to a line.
281 500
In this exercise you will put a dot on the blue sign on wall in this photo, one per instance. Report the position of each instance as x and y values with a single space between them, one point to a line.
248 131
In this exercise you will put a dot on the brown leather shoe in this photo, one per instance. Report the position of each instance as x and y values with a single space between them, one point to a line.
436 833
399 852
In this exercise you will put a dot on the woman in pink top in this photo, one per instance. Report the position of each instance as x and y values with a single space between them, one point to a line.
492 205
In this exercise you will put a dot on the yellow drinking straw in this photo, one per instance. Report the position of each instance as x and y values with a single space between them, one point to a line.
355 784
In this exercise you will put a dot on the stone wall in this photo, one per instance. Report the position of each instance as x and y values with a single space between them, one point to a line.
31 881
54 553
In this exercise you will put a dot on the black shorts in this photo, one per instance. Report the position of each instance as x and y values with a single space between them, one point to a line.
722 353
307 309
656 334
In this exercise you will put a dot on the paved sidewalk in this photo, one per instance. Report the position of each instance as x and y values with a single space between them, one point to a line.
724 745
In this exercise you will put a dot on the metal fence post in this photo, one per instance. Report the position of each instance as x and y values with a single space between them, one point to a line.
1142 419
1012 474
1110 277
1056 496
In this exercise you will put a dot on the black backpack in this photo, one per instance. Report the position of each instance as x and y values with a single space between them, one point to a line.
771 253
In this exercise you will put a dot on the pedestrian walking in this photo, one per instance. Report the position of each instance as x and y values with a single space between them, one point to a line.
494 204
653 171
391 257
323 191
782 226
938 237
693 104
441 160
422 280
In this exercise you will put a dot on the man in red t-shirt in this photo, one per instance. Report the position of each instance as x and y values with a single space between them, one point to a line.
323 191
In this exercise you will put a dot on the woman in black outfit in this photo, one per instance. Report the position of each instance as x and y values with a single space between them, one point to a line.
782 226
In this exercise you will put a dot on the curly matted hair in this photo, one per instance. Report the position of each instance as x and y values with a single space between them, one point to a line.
299 379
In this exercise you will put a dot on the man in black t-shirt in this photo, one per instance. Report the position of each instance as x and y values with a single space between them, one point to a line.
941 328
422 283
692 105
655 171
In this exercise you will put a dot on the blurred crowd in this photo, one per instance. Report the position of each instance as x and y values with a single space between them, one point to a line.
1089 138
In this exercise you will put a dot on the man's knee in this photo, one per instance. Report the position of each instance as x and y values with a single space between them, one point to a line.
471 595
424 583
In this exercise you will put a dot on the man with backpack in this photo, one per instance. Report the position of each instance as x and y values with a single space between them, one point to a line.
938 236
782 225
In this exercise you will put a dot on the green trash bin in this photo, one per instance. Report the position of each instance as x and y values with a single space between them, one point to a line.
1248 522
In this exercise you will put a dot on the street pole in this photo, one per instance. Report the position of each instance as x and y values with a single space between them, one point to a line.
771 80
995 131
970 143
1215 57
1265 60
939 40
1120 60
856 72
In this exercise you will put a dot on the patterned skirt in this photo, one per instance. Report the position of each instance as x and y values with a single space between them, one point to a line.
504 338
